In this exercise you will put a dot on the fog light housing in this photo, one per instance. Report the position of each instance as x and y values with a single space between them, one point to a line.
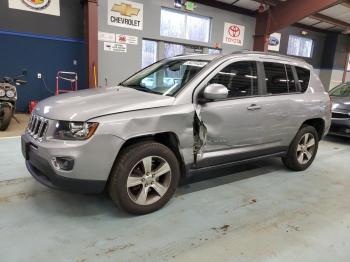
63 163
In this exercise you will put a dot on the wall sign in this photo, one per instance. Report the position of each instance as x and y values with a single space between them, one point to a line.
126 39
107 37
274 42
233 34
49 7
124 13
115 47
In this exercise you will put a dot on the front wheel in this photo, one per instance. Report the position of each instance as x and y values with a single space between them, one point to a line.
5 118
144 177
302 150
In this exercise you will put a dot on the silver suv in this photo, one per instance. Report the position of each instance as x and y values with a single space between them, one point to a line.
174 118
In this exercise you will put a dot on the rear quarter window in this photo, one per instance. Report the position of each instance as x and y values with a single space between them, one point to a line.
303 77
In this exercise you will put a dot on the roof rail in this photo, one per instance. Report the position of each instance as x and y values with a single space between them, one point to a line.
267 53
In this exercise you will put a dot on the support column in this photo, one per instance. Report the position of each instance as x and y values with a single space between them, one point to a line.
91 39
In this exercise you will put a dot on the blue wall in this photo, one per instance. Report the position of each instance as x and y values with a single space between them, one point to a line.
40 54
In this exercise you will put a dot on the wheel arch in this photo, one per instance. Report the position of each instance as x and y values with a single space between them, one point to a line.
318 123
169 139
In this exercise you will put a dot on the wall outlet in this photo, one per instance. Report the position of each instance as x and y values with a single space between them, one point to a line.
39 76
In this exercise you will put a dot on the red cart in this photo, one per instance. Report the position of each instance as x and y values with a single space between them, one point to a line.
71 78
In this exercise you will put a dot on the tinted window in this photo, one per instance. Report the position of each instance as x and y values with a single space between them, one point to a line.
240 78
276 78
341 90
304 77
292 86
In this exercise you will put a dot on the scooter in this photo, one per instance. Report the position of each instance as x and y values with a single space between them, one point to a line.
8 98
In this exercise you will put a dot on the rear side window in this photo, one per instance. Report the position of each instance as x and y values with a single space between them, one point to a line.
276 78
240 78
304 78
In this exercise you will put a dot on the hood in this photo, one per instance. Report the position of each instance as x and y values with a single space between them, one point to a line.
341 103
86 104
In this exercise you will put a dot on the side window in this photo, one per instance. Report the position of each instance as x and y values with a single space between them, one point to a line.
292 85
276 78
240 78
304 78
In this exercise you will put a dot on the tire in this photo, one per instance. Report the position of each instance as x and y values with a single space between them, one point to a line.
297 159
6 118
129 182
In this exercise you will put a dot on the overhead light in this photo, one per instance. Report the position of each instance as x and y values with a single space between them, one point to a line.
304 32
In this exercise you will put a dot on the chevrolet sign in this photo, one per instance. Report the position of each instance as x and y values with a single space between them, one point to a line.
124 13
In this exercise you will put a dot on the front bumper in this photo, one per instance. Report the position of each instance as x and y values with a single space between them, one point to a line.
340 128
93 161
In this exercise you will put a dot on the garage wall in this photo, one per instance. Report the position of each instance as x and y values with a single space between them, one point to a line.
115 67
329 53
43 44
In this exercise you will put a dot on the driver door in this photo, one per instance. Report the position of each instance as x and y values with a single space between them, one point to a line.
235 127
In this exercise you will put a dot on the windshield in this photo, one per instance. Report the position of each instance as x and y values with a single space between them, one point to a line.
341 90
166 77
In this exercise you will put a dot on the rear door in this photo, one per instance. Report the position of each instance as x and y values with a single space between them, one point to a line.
282 103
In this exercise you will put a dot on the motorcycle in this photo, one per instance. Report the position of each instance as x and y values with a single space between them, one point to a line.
8 98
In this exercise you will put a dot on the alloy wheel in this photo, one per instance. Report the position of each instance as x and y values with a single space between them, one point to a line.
306 148
149 180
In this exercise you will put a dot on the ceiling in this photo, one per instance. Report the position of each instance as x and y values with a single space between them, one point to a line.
335 18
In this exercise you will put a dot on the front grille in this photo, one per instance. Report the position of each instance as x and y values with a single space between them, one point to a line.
340 115
37 127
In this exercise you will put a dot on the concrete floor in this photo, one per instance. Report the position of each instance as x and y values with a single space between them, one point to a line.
256 212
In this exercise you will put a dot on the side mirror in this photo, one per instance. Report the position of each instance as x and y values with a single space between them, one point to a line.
215 91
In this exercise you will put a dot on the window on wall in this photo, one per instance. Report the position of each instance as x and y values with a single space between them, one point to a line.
213 51
300 46
171 50
186 26
149 52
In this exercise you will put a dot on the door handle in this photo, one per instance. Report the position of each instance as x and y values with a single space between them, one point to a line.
253 107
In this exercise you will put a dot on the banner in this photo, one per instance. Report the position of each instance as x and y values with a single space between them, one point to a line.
274 42
49 7
233 34
124 13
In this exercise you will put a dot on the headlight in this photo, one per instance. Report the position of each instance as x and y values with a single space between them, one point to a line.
2 92
10 93
74 130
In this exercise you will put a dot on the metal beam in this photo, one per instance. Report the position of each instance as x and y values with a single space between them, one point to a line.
331 20
227 7
290 12
91 34
285 14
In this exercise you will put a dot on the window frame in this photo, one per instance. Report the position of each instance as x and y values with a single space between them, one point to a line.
184 37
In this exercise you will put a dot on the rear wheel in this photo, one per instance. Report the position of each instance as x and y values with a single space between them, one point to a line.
302 150
144 178
5 118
